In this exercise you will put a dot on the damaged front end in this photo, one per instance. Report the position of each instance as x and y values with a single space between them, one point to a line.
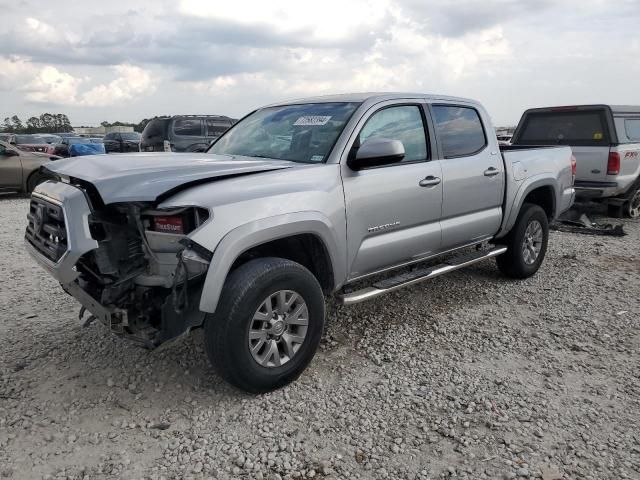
131 265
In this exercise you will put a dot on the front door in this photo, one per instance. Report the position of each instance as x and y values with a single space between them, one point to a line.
472 173
393 212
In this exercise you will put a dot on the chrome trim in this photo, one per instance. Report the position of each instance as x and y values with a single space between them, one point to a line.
372 292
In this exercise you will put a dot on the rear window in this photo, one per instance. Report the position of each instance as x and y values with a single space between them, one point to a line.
632 128
188 127
459 130
564 128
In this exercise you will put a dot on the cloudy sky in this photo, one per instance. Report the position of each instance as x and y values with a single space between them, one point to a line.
112 60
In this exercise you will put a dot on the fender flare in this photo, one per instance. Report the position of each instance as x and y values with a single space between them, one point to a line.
531 184
257 232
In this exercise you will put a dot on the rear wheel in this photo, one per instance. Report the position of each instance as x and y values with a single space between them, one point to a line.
267 326
526 243
632 206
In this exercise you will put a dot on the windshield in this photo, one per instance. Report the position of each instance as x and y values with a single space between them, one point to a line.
76 140
130 136
26 139
299 133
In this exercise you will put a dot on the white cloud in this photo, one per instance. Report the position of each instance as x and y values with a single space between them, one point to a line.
327 19
53 86
228 57
131 82
50 85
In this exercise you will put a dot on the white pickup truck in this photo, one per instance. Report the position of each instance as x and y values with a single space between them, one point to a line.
605 140
296 201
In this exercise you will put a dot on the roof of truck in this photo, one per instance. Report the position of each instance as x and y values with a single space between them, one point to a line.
613 108
372 97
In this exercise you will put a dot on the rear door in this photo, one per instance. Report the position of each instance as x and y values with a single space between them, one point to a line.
393 212
472 175
587 130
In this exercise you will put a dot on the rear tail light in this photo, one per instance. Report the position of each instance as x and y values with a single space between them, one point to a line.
166 145
613 165
574 168
168 224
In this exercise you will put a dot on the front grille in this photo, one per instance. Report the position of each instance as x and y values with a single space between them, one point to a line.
46 229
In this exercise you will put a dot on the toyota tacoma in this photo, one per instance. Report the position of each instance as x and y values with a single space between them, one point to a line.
352 195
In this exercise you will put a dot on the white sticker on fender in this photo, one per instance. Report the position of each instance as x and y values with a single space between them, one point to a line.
312 120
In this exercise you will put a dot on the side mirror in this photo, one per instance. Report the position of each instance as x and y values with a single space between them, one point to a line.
376 152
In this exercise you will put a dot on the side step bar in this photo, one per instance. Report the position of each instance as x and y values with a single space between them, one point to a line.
394 283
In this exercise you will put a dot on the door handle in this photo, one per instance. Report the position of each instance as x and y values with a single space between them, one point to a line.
491 172
430 181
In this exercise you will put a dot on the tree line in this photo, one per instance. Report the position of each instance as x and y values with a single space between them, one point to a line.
45 123
56 123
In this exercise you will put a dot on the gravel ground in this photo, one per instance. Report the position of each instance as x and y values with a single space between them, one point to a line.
467 376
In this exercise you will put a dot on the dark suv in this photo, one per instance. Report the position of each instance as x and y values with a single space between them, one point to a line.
183 133
122 142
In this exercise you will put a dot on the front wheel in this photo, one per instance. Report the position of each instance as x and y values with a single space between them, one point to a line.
267 325
34 180
526 243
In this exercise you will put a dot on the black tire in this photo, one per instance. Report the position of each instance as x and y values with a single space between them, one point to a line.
631 207
34 180
227 330
512 263
615 211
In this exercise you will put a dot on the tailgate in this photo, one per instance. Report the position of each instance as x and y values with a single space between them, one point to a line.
591 163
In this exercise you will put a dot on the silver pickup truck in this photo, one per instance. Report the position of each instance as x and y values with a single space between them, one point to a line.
354 195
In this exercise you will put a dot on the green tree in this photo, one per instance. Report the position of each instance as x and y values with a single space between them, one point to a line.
16 124
33 125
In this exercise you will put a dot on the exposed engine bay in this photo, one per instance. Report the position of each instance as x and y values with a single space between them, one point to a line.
145 271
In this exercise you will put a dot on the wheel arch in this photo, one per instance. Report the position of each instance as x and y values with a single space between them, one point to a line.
539 191
306 237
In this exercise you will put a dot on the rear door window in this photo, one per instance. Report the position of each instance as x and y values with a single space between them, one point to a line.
565 128
459 130
215 128
188 127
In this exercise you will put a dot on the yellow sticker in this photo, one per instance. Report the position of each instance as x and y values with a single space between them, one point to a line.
597 136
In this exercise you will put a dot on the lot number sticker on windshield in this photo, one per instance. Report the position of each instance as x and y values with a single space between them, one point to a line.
312 120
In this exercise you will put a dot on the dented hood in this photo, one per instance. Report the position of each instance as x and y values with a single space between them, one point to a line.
145 177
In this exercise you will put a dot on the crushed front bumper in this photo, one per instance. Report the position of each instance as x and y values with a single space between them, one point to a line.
69 235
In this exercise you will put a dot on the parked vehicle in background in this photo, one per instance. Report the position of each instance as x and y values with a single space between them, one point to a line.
19 169
296 201
6 137
78 146
504 139
32 143
50 138
122 142
183 133
605 140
